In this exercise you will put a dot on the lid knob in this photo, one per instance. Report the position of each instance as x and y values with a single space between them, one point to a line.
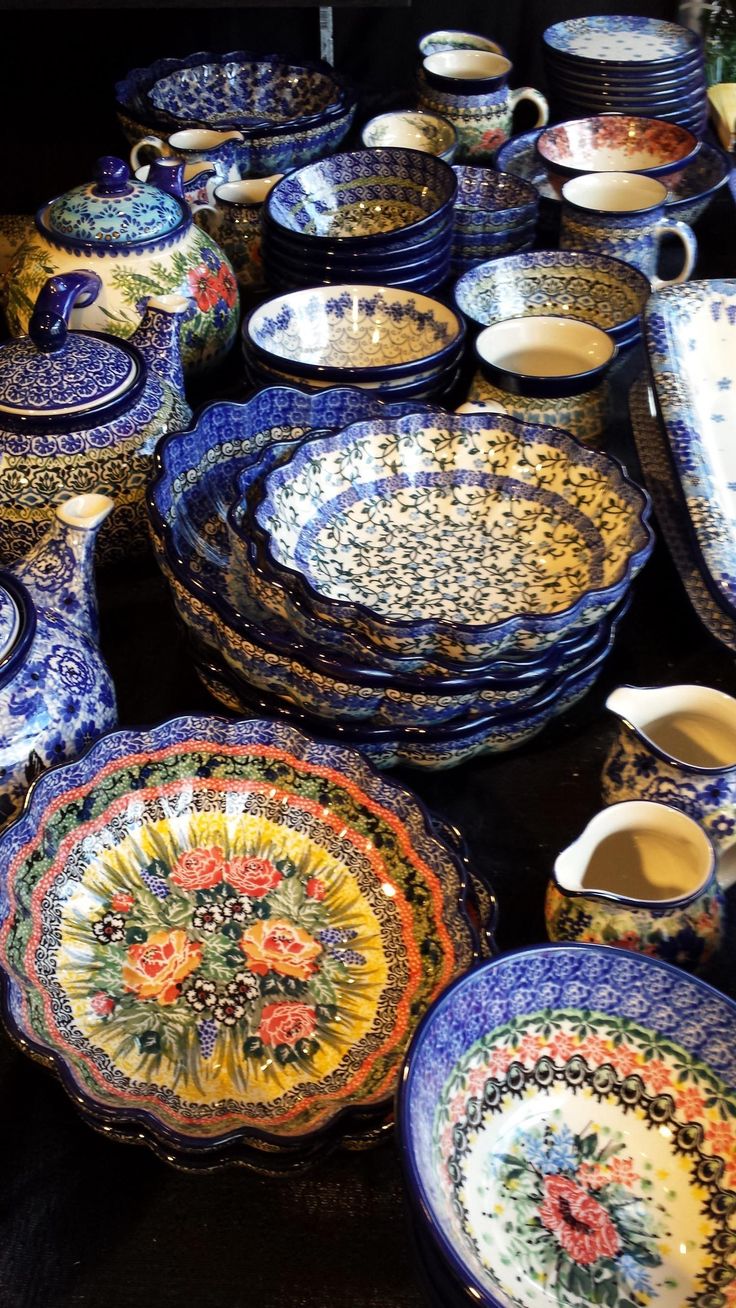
50 319
112 176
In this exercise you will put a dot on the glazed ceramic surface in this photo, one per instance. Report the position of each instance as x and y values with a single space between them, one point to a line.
544 355
642 876
140 240
56 695
434 42
593 287
688 196
584 415
412 129
351 332
622 40
194 146
83 411
487 200
229 919
359 488
288 114
233 219
482 119
563 1110
616 143
676 745
690 333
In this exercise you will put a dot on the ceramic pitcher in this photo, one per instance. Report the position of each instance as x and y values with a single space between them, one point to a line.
677 745
641 876
470 88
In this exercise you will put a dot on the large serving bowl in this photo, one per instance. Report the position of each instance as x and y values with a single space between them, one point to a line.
566 1118
364 199
346 334
615 143
567 283
287 113
461 537
217 933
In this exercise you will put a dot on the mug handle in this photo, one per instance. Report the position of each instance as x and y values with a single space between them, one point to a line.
161 148
536 97
686 236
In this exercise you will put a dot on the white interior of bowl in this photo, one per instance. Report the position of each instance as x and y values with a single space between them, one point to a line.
615 192
467 64
546 346
410 130
614 143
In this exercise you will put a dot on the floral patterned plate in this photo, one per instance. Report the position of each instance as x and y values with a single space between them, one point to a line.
222 935
568 1126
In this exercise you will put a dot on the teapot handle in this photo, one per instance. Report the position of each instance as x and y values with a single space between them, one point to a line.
50 319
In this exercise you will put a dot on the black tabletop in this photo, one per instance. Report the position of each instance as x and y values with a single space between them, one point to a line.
88 1223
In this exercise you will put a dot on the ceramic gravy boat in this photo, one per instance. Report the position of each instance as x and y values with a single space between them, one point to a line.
677 744
640 876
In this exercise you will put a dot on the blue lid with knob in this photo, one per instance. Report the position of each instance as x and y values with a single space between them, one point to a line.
115 209
56 374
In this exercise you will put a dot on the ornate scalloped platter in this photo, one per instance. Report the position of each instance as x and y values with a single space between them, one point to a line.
568 1121
226 929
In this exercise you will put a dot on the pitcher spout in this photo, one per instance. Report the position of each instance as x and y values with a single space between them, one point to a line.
59 571
688 726
158 337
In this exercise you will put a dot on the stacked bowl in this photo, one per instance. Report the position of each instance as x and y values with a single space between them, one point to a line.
422 585
495 214
286 113
397 343
381 216
626 64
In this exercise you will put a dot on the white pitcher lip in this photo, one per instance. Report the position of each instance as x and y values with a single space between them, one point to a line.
169 303
608 896
85 511
717 769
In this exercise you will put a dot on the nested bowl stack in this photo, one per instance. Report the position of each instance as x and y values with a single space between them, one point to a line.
495 214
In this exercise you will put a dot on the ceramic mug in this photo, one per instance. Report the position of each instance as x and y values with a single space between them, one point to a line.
623 215
233 219
194 146
641 876
470 88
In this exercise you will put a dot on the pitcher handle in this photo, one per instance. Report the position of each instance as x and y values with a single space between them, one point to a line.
162 149
536 97
686 236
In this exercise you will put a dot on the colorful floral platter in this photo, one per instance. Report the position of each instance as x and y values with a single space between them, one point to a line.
217 930
568 1129
690 340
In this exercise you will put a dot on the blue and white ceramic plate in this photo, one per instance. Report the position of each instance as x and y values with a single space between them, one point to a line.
690 335
566 1121
621 40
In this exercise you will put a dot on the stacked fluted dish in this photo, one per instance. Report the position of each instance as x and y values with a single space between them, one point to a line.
495 214
626 64
400 344
426 587
287 113
381 216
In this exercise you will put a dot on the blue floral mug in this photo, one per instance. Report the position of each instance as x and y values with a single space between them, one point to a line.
623 215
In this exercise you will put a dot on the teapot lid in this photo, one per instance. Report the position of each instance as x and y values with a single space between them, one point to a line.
115 209
54 374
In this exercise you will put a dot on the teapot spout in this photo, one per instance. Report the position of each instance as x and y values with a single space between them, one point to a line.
158 339
59 571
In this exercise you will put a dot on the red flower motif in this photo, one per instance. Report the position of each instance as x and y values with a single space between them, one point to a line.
102 1004
316 889
205 287
199 869
254 877
477 1080
562 1046
594 1049
657 1076
499 1060
623 1171
529 1047
690 1103
625 1060
228 287
580 1223
122 901
721 1139
285 1023
591 1176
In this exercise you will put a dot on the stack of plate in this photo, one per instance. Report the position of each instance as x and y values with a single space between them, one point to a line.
240 928
397 343
380 216
379 582
626 64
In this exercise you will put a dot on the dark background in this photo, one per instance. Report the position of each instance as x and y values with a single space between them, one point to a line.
85 1222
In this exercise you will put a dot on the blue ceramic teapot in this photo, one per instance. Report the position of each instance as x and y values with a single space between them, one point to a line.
56 694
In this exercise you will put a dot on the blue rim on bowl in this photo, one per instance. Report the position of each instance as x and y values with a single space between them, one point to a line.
507 350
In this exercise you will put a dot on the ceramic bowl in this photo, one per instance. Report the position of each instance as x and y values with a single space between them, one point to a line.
392 497
405 264
283 281
268 147
487 197
366 200
544 355
287 245
435 387
434 42
562 1109
412 129
232 923
688 196
628 43
604 291
615 143
585 415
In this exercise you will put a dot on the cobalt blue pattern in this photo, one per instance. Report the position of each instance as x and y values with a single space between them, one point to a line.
82 374
622 39
245 93
141 213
